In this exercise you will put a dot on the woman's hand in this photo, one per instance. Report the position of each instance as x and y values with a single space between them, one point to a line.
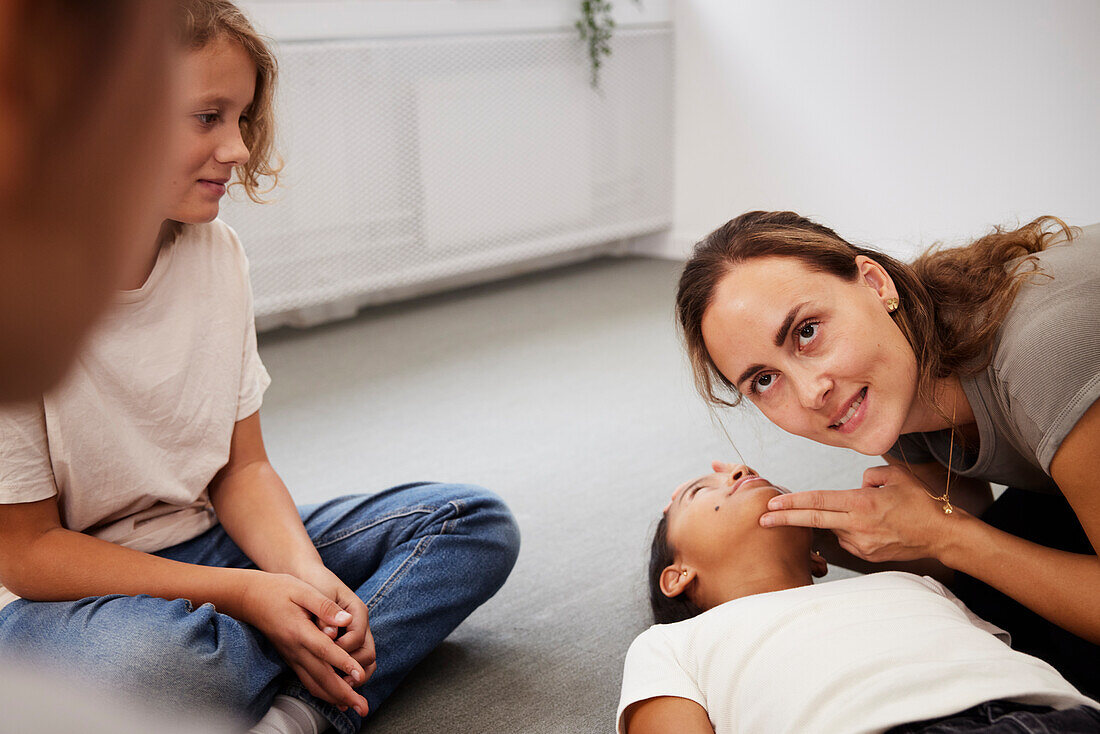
890 518
284 608
357 640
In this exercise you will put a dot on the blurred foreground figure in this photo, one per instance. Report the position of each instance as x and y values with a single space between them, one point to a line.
83 91
83 98
44 700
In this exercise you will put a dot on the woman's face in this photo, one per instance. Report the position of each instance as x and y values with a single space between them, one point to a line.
821 357
219 81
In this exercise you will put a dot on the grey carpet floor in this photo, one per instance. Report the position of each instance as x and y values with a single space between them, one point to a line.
566 392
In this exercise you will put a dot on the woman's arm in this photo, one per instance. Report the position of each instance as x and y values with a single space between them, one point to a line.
828 545
891 518
665 714
1062 587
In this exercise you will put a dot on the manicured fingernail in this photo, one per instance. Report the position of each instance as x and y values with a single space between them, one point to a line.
342 618
356 675
330 631
774 504
767 520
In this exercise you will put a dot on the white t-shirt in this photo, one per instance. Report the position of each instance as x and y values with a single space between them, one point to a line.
132 437
856 655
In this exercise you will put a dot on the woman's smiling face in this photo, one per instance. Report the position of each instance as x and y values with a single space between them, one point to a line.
821 357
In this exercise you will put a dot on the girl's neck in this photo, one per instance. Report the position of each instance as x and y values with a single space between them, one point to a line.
145 258
764 575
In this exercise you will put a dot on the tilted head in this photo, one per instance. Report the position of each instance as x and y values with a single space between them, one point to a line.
783 310
710 548
226 125
839 343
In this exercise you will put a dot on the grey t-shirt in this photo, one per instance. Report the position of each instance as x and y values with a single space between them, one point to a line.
1044 375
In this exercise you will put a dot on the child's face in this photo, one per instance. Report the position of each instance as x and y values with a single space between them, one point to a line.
219 81
711 515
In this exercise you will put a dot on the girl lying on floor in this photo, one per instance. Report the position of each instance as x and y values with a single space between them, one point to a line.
745 642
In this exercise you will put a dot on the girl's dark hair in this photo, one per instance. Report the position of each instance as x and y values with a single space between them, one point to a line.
666 609
952 300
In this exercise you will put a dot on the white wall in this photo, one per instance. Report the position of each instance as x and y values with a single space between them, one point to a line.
897 124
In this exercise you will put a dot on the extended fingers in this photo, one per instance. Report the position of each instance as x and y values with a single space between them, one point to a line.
828 500
816 509
806 519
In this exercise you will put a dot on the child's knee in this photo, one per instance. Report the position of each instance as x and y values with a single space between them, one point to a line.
487 517
202 660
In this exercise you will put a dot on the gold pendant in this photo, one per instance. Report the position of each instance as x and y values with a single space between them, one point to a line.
947 509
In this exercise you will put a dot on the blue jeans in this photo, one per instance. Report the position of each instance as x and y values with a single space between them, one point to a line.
1009 717
421 556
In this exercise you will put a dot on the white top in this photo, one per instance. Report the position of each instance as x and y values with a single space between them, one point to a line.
132 437
856 655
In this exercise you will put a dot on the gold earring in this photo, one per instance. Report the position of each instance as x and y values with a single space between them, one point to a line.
892 304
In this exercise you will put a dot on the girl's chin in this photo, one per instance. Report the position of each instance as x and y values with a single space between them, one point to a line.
193 216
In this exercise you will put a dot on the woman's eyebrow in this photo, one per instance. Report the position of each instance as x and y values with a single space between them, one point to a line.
785 327
780 336
749 371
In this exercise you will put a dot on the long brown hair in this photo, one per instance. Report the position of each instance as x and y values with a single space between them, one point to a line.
952 300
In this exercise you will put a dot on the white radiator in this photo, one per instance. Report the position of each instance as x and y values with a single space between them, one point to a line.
420 163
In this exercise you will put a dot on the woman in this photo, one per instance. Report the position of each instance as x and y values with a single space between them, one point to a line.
745 642
973 365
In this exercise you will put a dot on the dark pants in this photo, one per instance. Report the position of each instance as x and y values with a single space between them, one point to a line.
1046 520
1007 717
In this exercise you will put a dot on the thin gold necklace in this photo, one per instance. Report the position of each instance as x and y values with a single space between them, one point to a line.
945 498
